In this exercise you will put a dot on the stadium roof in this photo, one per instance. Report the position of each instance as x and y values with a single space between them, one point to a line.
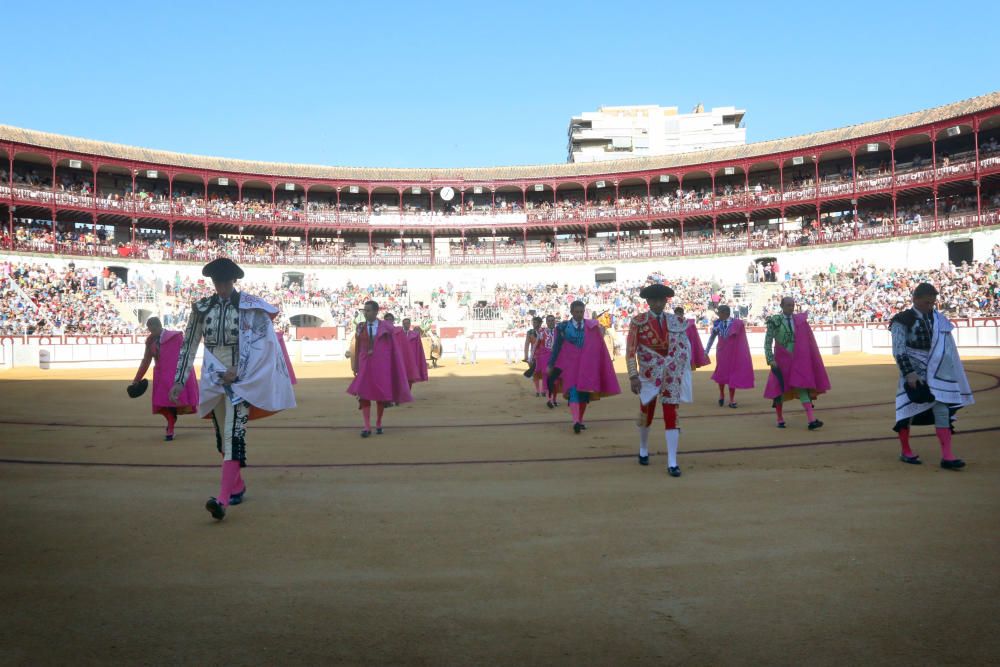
47 140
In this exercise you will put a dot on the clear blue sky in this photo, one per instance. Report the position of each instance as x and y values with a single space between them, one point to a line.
450 84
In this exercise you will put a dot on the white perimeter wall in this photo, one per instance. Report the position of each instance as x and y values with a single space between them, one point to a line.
73 352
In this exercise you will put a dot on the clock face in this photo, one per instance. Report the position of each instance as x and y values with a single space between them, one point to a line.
447 193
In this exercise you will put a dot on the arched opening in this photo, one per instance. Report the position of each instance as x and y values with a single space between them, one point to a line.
605 274
292 279
960 251
305 321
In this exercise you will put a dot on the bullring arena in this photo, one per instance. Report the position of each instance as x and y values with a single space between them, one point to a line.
479 529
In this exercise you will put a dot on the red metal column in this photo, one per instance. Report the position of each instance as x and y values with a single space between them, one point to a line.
336 213
892 163
524 248
494 245
170 250
715 235
432 236
749 244
979 193
306 230
934 173
586 239
369 232
618 239
649 199
682 237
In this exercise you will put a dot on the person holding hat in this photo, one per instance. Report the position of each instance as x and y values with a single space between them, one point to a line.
245 373
530 344
164 346
580 360
797 368
658 358
541 355
932 382
416 358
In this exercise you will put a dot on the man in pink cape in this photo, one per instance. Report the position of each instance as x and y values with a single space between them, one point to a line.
416 361
733 365
796 365
580 360
698 356
379 367
164 347
542 353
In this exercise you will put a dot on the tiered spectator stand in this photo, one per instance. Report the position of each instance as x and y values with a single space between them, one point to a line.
891 183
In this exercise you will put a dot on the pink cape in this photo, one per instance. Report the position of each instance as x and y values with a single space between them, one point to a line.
802 369
542 355
698 356
416 361
382 372
163 377
288 361
588 368
733 365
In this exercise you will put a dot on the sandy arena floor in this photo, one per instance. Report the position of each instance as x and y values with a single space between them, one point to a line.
479 530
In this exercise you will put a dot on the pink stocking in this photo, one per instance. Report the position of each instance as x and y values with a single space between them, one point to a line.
171 421
230 473
378 414
574 409
779 409
366 412
809 411
944 436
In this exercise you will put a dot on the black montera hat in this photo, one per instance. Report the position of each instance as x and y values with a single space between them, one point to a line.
222 269
138 389
656 291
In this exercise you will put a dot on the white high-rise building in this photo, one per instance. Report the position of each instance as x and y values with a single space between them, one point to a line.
613 133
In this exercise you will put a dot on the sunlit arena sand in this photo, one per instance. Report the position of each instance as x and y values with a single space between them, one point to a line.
480 530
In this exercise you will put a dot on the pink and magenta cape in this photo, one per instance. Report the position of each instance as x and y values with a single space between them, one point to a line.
416 361
381 366
800 369
588 368
163 377
733 365
698 356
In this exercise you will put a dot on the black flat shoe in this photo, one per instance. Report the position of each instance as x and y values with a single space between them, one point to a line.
577 427
643 460
674 471
815 424
733 405
365 434
781 424
168 438
550 404
912 460
378 431
237 498
216 509
721 402
954 464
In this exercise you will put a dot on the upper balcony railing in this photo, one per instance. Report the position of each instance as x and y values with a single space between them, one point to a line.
683 203
658 244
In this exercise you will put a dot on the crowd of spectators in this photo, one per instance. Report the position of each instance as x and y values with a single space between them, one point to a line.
37 299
